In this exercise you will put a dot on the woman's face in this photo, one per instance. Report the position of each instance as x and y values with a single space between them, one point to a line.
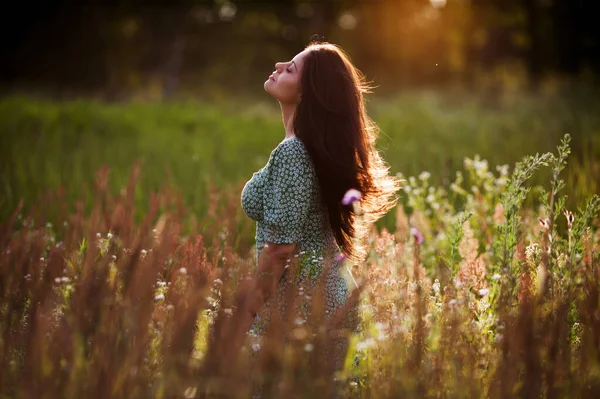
284 83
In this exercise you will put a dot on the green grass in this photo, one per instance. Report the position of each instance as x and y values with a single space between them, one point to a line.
46 144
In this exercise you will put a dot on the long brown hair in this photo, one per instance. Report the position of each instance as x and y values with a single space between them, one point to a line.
332 123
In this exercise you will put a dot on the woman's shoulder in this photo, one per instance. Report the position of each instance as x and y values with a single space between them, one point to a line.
291 147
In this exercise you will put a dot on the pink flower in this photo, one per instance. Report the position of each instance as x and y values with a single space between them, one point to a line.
417 235
351 196
340 257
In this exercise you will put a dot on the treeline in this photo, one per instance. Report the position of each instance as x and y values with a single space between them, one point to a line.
186 46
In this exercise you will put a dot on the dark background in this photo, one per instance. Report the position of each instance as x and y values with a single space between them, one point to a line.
206 48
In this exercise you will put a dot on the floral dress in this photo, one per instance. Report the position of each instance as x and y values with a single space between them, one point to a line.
285 201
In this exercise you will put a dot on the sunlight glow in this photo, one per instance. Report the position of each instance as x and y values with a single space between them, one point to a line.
438 3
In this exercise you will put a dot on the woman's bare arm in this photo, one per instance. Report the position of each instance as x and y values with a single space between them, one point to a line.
252 295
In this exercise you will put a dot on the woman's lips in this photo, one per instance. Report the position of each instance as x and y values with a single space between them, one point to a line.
271 77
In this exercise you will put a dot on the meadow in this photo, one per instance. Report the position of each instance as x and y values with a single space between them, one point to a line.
123 240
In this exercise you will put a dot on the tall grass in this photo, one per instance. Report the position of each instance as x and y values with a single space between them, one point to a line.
474 294
204 146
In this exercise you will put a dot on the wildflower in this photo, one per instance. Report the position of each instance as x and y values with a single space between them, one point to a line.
114 257
380 326
496 276
570 218
484 291
109 236
351 196
218 281
424 175
65 279
545 224
98 235
228 311
159 297
361 346
417 235
308 347
255 347
436 286
183 270
452 302
532 250
143 252
161 283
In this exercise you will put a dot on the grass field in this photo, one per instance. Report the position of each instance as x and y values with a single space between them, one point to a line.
484 283
48 144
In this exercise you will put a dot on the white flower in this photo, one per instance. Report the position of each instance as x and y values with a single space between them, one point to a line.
436 286
361 346
183 270
159 297
424 175
496 276
308 347
484 291
109 236
380 326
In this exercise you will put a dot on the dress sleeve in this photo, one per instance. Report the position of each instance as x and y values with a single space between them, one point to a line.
288 192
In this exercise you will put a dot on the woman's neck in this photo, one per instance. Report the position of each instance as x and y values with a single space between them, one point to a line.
287 114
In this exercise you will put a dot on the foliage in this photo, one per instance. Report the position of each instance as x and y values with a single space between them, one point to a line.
94 303
205 148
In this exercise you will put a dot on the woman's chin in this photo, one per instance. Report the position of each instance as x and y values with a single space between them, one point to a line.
267 86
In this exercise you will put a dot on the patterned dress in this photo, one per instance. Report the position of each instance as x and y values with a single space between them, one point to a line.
284 199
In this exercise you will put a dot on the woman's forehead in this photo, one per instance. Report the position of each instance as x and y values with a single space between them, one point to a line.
299 58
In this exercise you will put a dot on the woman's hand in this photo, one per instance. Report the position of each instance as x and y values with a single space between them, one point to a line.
251 294
270 269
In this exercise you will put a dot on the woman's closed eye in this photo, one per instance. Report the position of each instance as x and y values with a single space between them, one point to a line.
288 69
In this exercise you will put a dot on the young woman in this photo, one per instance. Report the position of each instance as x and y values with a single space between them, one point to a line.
296 199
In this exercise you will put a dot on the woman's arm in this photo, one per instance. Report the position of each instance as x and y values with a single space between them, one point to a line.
251 296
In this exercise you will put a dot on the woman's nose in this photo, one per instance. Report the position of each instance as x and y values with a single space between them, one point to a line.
278 66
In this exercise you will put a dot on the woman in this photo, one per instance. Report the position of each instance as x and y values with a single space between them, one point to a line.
296 198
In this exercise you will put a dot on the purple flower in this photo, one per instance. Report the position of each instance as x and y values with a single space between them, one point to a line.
417 235
340 257
351 196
